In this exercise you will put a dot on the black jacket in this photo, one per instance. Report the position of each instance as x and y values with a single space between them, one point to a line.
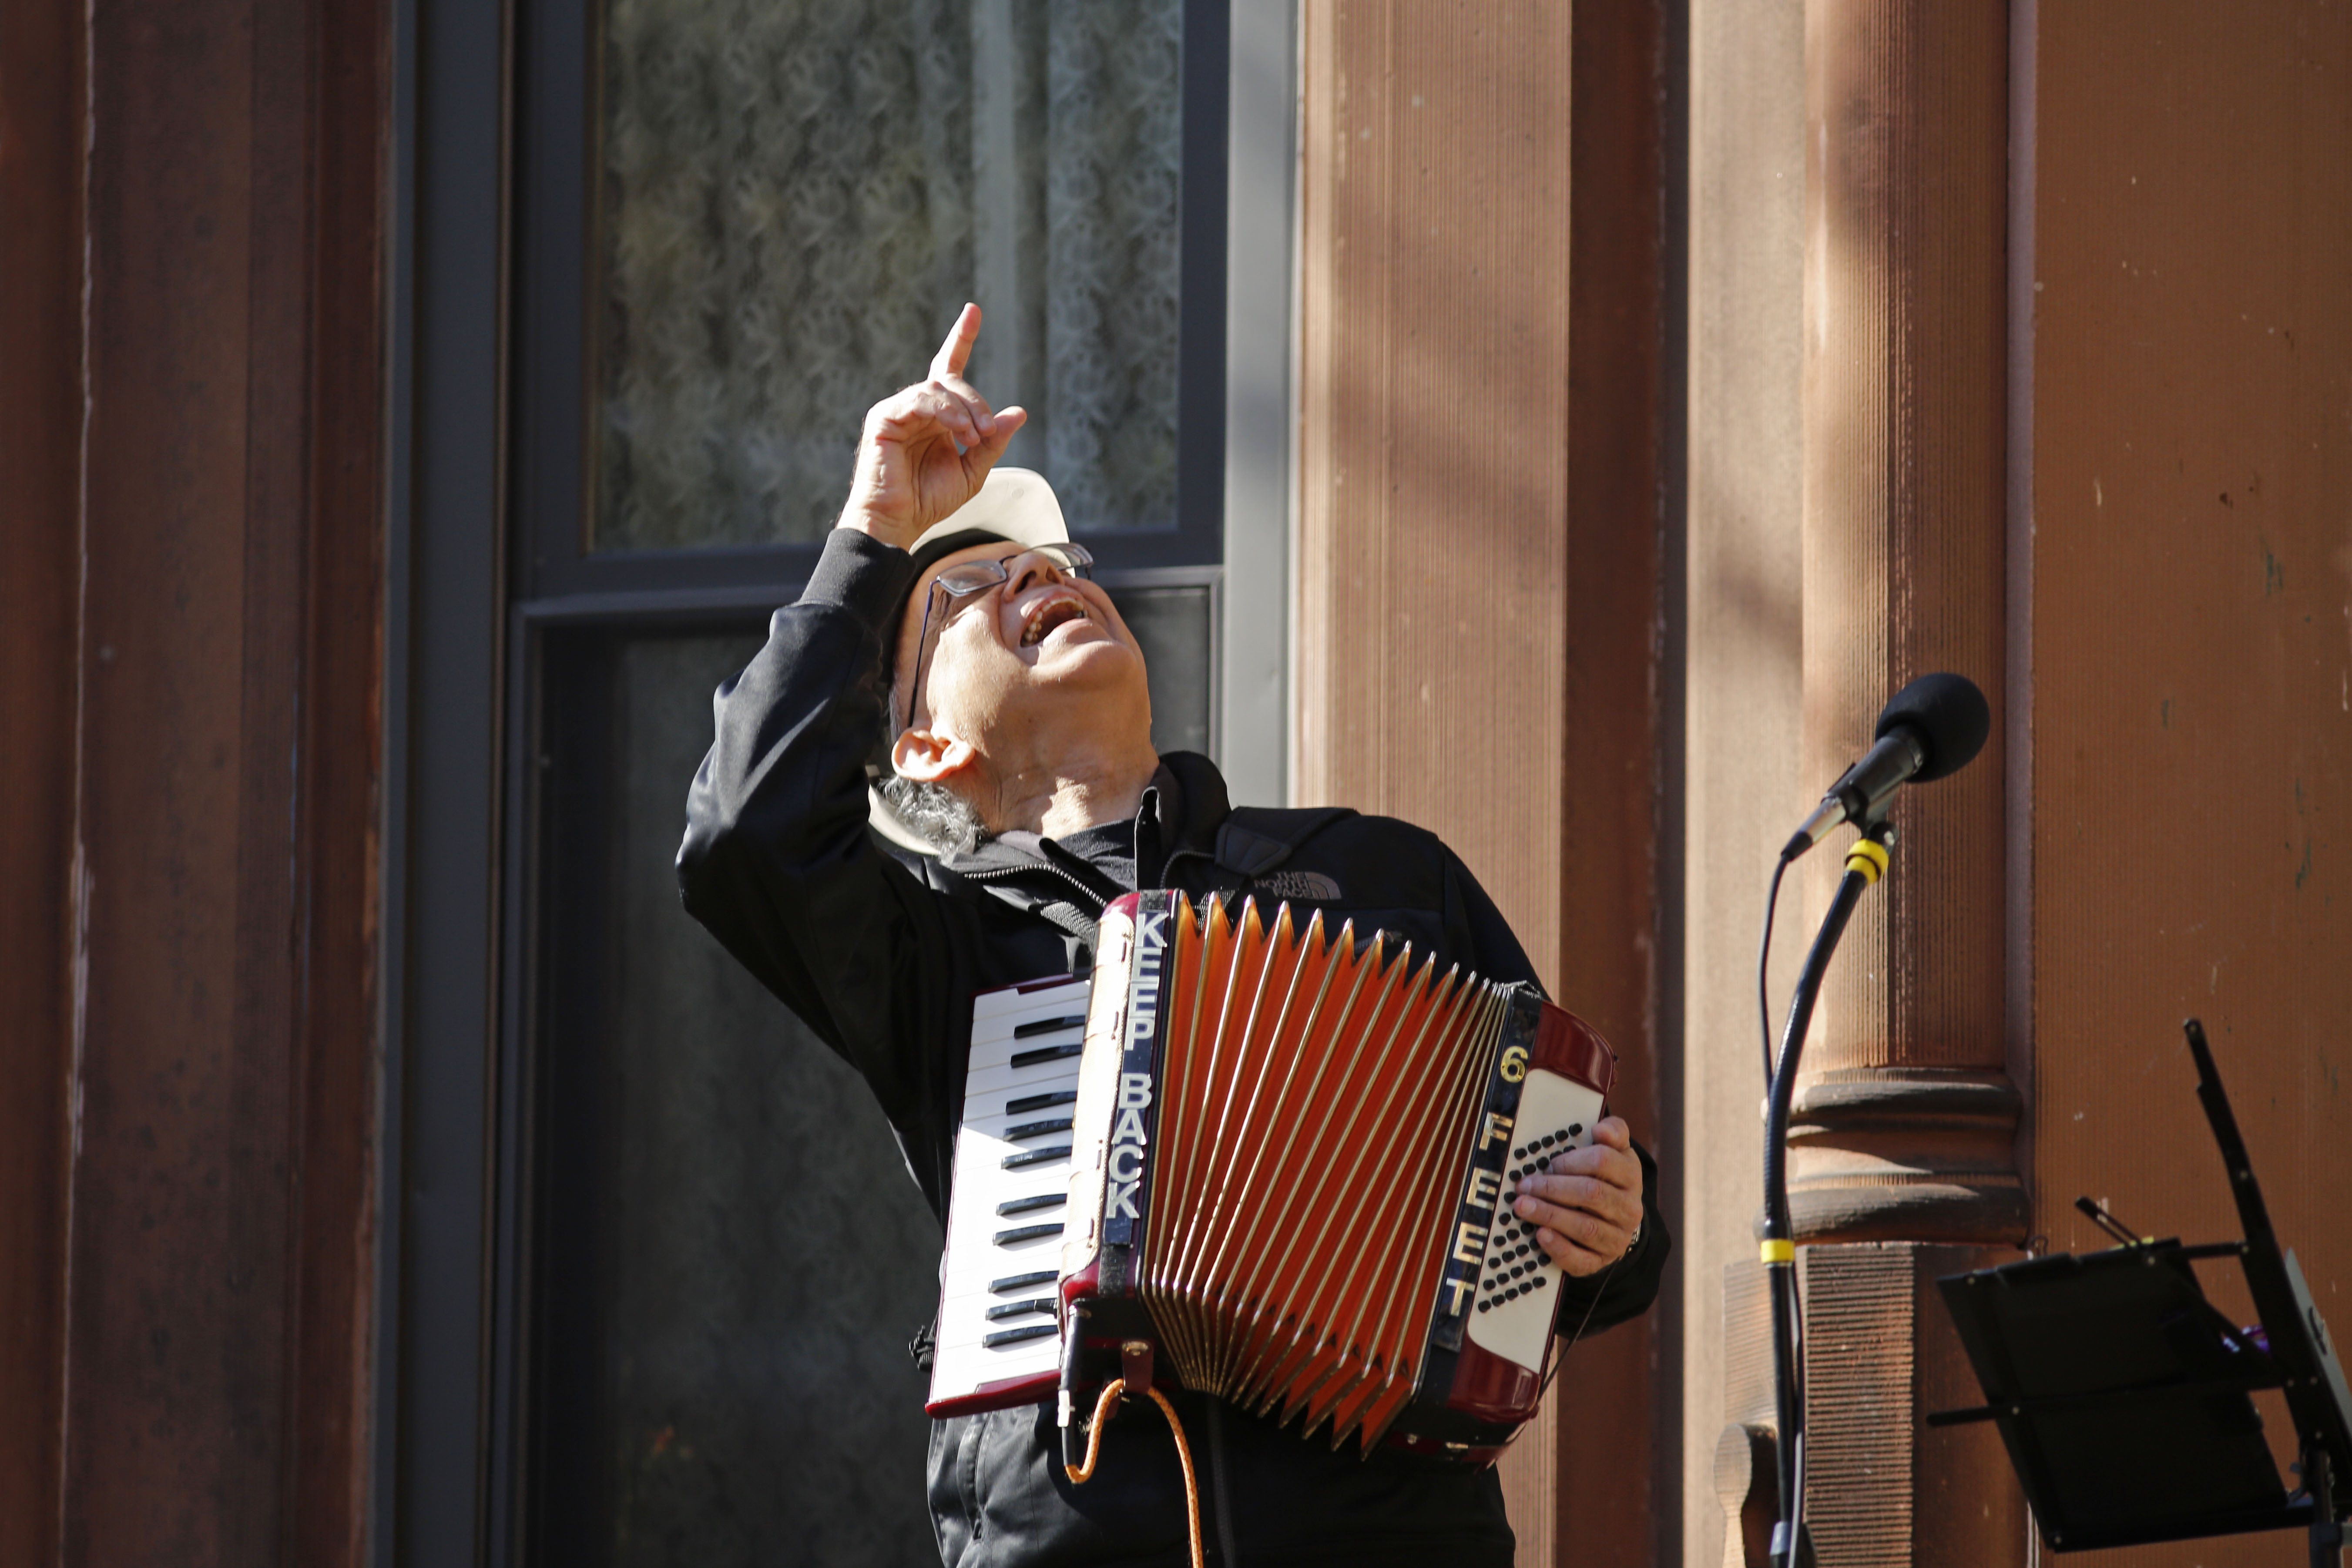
880 952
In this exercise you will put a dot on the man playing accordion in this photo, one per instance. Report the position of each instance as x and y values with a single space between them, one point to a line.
929 782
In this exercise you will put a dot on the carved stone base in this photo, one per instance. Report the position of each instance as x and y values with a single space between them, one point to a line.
1746 1455
1748 1485
1906 1154
1880 1487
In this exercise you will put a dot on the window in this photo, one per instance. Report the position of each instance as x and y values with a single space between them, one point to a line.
735 226
726 1257
792 197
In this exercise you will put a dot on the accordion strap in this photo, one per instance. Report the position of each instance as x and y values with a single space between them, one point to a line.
1105 1408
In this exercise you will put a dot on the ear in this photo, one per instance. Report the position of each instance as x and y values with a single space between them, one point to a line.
930 755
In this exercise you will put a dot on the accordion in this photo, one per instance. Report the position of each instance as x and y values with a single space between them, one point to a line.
1273 1161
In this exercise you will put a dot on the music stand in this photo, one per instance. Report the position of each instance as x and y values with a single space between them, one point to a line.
2125 1397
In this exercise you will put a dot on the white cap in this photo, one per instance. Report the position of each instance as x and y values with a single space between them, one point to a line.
1012 503
1016 503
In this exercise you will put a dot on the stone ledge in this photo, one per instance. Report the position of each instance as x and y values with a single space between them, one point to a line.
1905 1154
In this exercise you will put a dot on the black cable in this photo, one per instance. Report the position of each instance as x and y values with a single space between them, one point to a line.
1763 968
1788 1326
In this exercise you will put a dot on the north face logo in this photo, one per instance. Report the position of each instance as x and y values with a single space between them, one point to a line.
1313 885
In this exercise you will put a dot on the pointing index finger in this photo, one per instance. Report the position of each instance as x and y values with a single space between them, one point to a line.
949 360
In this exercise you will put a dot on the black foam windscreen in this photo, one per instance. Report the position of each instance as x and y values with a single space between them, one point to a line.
1949 714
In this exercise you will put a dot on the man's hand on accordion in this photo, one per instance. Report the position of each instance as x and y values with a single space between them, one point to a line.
1588 1204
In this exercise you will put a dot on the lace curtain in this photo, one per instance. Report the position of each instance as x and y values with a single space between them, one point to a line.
798 195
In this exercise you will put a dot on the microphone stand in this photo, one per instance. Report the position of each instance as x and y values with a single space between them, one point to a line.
1865 862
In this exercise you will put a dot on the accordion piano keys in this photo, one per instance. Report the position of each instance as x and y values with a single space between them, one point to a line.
1007 1212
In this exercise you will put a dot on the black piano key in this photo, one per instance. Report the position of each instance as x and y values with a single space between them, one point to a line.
1049 1026
1045 1157
1048 1054
1003 1337
1040 1101
1033 1129
1027 1233
1031 1205
1021 1308
1021 1281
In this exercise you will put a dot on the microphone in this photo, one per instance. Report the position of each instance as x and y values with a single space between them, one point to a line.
1934 726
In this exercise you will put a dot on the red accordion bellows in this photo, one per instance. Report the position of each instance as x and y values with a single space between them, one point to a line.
1293 1155
1307 1085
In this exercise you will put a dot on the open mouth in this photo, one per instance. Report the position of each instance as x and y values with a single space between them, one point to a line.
1055 611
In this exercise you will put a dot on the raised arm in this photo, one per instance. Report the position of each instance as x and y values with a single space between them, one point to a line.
777 859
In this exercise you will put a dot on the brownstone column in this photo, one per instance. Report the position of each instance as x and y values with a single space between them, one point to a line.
1906 1117
191 427
1478 547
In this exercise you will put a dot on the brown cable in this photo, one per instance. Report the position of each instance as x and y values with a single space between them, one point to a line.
1105 1408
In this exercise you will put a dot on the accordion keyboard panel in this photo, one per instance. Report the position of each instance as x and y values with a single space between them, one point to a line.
1518 1287
1008 1209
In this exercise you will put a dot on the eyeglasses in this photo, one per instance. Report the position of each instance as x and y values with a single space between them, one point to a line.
961 582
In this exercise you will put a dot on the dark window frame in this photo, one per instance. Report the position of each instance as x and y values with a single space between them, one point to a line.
554 243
